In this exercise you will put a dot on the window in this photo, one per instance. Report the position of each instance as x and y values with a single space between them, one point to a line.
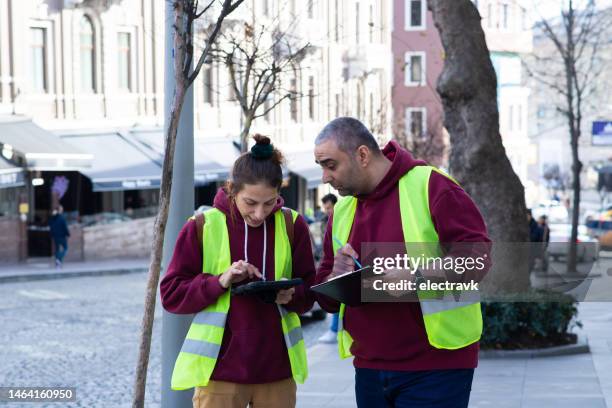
519 117
505 16
338 110
266 106
38 56
416 119
371 109
311 98
124 52
414 69
490 15
310 9
415 15
88 61
293 105
208 84
266 8
357 23
371 24
337 21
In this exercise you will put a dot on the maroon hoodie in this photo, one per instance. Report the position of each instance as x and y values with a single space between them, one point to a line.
391 336
253 349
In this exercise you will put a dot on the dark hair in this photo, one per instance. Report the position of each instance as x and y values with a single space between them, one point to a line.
263 163
349 134
329 198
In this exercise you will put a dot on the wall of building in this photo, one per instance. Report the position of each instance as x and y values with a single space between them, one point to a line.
64 101
130 239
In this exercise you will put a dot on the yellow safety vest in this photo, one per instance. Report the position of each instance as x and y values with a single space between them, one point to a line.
198 356
449 324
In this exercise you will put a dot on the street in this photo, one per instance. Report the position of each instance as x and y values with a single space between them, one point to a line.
83 333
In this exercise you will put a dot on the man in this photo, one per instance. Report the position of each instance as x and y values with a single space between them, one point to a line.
329 201
543 224
59 233
535 235
396 364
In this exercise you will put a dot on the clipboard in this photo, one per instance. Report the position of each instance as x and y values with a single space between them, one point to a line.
345 288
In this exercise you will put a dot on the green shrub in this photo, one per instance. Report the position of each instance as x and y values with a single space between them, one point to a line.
512 325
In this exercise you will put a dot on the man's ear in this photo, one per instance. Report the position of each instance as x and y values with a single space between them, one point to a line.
364 155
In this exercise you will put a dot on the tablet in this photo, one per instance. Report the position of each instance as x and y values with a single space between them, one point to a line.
265 286
345 288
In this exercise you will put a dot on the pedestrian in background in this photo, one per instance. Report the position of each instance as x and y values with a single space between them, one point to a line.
329 201
543 224
240 350
59 233
535 237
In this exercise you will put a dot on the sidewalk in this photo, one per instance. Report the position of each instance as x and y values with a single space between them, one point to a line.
45 269
583 380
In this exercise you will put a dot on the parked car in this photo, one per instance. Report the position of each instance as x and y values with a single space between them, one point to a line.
553 209
587 248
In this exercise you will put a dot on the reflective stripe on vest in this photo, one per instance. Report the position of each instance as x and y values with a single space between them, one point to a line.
449 323
198 356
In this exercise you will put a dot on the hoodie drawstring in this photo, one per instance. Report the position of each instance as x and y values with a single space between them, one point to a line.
246 254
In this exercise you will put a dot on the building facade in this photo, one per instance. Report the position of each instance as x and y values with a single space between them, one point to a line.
418 59
82 82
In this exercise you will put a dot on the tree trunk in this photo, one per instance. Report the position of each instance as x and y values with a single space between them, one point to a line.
161 219
244 135
576 170
468 88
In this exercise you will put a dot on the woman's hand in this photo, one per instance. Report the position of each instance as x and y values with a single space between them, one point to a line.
238 272
284 296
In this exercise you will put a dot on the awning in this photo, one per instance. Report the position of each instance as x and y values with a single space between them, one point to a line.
213 158
42 149
10 175
118 164
303 164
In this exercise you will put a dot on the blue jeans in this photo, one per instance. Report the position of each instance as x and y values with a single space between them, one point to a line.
414 389
334 323
61 247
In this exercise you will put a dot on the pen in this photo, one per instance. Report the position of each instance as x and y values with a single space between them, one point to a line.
354 259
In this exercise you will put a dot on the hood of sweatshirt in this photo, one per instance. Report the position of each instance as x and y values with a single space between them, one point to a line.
401 162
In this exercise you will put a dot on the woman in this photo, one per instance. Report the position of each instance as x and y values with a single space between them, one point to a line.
240 350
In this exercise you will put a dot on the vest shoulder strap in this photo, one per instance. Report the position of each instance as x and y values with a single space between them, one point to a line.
199 220
289 225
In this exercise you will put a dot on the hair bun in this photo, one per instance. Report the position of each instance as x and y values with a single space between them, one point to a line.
262 149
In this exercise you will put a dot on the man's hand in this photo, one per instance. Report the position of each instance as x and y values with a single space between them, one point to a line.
343 262
238 272
284 296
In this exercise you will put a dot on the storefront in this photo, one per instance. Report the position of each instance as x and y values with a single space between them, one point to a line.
49 169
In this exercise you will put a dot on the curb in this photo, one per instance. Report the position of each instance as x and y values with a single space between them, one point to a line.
70 274
581 347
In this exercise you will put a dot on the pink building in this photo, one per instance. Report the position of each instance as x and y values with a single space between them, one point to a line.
417 62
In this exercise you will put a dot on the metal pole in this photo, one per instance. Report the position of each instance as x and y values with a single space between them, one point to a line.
174 327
